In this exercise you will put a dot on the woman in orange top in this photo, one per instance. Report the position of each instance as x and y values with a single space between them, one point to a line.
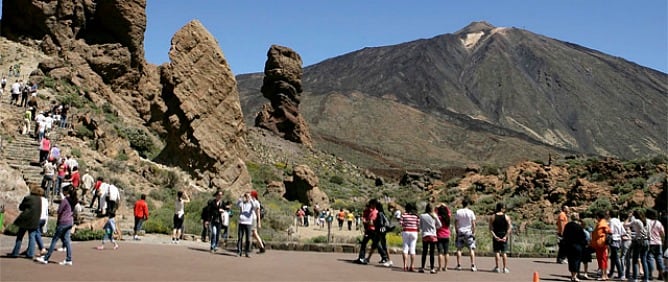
598 243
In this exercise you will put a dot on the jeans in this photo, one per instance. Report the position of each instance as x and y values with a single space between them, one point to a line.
626 257
639 250
368 236
31 242
139 222
655 258
38 236
244 231
428 247
215 234
224 232
59 182
47 184
62 233
615 261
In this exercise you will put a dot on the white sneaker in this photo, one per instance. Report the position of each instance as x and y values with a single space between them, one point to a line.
474 269
41 260
506 270
459 267
496 269
66 262
388 263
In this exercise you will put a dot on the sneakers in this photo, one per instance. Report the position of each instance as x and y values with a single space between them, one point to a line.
361 261
61 249
99 248
388 263
506 270
382 261
433 271
496 269
459 267
474 269
41 260
136 238
66 262
116 247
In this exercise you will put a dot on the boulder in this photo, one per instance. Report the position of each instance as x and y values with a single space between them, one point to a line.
303 187
202 113
282 85
12 190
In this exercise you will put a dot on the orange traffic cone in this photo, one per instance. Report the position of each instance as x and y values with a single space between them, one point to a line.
536 278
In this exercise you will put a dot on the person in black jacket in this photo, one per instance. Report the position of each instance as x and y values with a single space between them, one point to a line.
28 220
575 241
214 209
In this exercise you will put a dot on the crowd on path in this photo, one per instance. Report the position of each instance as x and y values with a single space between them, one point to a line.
628 244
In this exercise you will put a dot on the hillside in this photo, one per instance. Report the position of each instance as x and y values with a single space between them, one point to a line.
483 94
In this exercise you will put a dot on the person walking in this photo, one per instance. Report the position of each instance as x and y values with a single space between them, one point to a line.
43 219
341 217
245 224
369 216
380 242
110 229
257 220
87 182
429 223
443 235
214 210
63 229
573 243
409 233
465 226
562 220
179 215
500 226
28 221
141 215
350 217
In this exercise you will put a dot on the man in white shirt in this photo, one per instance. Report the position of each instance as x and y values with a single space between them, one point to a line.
16 91
465 227
247 207
87 182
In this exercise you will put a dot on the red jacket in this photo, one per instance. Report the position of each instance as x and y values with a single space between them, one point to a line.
141 209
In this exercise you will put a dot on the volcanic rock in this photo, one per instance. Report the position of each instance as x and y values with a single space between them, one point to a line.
282 85
303 186
202 114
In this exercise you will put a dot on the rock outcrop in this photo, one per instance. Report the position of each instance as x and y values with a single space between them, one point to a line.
302 186
202 113
282 85
12 190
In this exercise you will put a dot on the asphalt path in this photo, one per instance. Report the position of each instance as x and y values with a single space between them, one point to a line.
156 260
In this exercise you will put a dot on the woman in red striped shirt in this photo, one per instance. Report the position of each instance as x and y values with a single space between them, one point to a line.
409 233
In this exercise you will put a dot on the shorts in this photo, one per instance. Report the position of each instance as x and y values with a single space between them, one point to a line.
500 247
443 245
178 221
465 240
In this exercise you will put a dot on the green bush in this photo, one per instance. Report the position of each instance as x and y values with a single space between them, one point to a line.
139 140
87 235
337 180
83 132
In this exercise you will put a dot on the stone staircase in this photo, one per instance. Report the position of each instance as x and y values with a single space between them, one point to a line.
21 152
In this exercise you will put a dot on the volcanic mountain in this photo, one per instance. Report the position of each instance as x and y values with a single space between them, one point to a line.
484 94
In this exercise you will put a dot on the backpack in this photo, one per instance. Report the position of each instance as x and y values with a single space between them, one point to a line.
383 223
262 211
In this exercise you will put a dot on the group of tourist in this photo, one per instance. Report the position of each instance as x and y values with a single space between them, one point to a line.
628 243
434 226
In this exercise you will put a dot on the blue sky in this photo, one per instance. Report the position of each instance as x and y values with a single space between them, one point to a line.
318 30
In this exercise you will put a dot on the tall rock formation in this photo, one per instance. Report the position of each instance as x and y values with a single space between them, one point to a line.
202 113
97 45
282 85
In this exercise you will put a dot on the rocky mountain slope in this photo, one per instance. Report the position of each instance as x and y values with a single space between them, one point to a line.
483 94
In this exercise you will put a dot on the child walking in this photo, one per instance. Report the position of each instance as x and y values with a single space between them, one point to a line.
109 231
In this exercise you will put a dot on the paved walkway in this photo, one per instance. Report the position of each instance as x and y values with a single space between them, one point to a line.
153 260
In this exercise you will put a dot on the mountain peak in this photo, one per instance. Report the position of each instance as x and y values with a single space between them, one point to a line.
475 27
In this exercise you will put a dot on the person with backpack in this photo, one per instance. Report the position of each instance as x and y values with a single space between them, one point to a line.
383 226
640 242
